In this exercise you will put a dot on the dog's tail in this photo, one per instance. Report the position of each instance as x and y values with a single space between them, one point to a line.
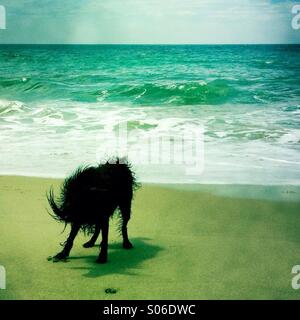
56 208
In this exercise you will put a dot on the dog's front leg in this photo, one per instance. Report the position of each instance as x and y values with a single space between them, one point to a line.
68 245
104 244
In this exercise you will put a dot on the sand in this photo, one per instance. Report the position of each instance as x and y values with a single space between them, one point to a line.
205 242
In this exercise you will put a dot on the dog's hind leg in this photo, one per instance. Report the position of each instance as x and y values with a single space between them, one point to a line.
125 211
68 245
104 244
94 238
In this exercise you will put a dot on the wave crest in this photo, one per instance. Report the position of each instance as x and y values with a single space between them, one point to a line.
186 93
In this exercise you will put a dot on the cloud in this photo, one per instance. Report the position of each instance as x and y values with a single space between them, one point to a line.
149 21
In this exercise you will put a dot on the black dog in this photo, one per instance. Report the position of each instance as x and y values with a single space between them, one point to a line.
89 197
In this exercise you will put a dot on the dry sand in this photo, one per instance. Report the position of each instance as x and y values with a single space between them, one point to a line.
190 243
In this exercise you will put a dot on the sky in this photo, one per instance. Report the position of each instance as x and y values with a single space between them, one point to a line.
149 21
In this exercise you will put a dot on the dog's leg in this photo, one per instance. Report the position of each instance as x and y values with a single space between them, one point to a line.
104 244
125 210
69 244
94 238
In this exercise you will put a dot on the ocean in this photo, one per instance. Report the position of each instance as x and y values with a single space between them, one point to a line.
61 106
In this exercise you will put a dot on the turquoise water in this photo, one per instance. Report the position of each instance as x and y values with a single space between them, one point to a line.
57 104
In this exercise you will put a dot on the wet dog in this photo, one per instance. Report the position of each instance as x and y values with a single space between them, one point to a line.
89 197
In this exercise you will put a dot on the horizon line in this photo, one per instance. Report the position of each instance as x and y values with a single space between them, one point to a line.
151 44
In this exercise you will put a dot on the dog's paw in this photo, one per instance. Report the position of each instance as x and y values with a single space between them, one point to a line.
101 260
127 245
88 244
60 257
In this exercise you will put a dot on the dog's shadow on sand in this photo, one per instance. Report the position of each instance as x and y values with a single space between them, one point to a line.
120 261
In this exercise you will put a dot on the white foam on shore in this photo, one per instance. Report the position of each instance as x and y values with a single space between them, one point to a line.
242 145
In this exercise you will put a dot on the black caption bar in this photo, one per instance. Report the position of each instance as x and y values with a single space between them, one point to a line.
179 309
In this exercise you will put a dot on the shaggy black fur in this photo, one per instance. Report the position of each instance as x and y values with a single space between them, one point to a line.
89 197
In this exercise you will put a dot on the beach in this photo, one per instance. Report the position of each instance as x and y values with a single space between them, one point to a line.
190 242
211 131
